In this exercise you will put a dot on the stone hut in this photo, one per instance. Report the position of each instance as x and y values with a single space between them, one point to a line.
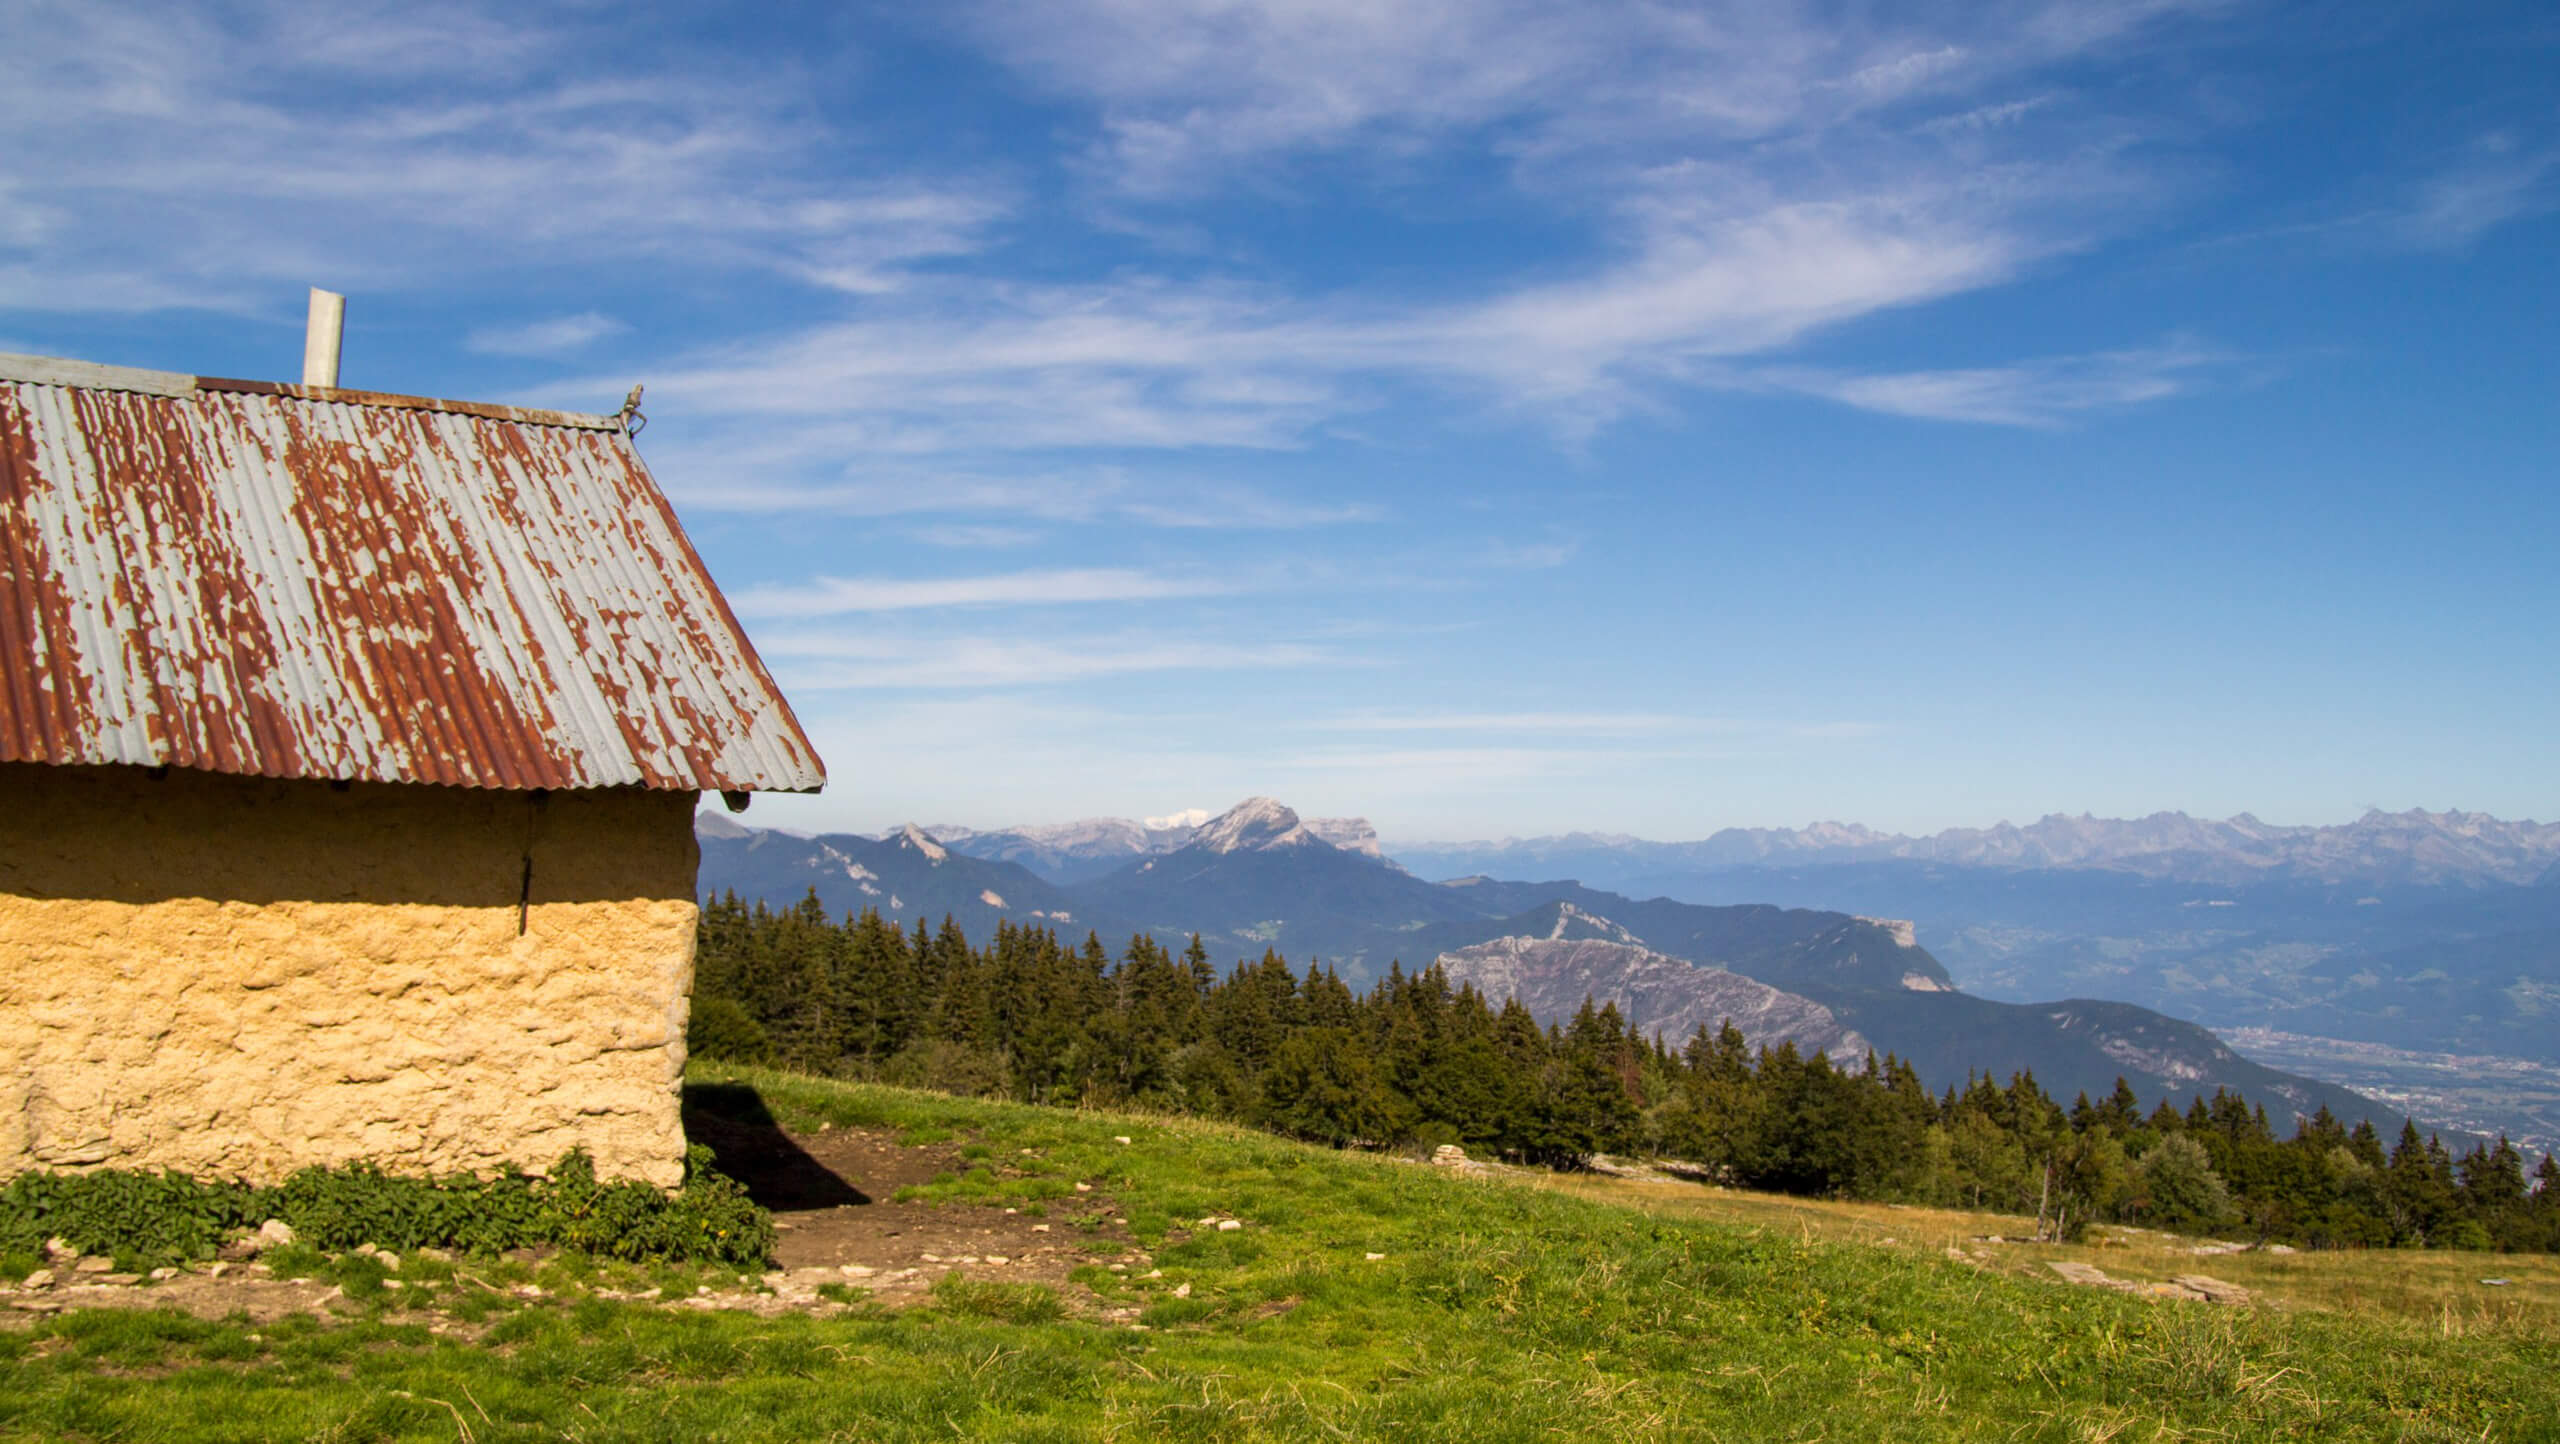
349 750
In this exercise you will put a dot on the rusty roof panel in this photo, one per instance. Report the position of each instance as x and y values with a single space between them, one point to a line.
298 582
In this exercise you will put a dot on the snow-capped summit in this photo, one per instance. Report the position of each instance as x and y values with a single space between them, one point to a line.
913 836
1183 821
1256 824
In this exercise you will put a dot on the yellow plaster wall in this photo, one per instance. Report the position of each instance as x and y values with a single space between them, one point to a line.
237 977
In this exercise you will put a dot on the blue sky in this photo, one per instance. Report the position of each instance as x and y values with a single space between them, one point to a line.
1486 418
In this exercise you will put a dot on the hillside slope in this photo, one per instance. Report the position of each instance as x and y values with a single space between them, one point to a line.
1357 1297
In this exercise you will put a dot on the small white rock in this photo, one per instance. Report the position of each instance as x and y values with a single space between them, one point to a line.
1084 1188
1228 1225
1039 1228
1182 1292
164 1272
1120 1138
275 1233
1373 1258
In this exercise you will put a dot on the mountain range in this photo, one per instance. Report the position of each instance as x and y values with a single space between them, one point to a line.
2379 849
2418 952
1257 876
1071 852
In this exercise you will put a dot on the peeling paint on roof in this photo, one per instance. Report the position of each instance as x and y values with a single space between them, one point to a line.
286 581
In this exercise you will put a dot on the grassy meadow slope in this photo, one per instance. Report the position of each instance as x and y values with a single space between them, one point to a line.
1363 1297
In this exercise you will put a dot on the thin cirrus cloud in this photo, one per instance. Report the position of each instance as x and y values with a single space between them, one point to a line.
375 147
1186 87
2494 181
559 336
714 477
845 596
1600 723
1748 176
2043 393
1118 365
1593 724
832 661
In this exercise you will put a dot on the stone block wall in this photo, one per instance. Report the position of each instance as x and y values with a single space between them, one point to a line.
236 976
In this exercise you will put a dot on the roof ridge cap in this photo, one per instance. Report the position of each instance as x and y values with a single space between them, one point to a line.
97 376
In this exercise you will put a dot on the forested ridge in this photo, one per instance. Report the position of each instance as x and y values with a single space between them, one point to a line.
1415 1061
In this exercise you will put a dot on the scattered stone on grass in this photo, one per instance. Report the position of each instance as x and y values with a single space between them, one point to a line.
2211 1288
2183 1288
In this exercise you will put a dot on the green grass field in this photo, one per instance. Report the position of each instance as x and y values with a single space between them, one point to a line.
1495 1312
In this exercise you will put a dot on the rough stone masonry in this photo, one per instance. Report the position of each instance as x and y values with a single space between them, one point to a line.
238 976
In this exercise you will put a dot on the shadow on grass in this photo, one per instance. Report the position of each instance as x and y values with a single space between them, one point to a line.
748 1144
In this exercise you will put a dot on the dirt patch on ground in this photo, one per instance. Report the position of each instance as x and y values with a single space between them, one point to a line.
834 1195
838 1218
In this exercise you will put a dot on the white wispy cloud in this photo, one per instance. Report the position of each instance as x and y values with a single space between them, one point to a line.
736 474
1155 366
559 336
959 535
2493 181
1598 724
1606 723
1407 765
1748 177
1529 556
1187 88
2045 392
834 661
372 146
842 596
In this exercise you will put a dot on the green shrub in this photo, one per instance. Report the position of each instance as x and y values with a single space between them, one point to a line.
133 1214
166 1217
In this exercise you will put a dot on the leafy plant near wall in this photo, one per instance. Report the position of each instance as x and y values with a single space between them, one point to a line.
150 1218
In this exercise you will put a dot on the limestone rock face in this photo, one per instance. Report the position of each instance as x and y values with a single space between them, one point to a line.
1656 994
236 977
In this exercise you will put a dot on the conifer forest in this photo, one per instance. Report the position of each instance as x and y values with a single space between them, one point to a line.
1413 1062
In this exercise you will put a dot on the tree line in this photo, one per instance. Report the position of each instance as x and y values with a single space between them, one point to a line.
1414 1061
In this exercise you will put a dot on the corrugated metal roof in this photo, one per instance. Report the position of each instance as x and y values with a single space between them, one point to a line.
298 582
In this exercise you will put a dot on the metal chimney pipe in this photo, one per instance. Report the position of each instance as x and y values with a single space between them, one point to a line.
321 340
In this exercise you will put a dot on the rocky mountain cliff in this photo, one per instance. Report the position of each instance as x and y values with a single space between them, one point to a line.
1552 976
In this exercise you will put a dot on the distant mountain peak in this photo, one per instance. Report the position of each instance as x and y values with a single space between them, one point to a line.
1187 818
2413 847
914 836
1257 824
